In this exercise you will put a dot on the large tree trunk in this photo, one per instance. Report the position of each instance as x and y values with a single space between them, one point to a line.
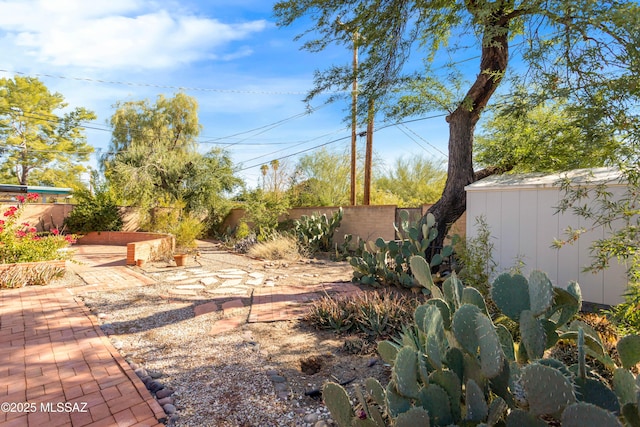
462 123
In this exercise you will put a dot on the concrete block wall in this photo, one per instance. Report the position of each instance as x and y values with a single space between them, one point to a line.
366 222
43 216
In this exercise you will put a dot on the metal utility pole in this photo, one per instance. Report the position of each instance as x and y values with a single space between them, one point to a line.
368 155
354 118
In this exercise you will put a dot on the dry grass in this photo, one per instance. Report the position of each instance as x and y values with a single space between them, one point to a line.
279 248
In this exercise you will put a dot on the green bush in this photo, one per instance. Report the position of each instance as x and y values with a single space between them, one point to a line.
186 230
20 242
94 212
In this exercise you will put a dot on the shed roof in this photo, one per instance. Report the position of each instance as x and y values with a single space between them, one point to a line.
588 177
23 189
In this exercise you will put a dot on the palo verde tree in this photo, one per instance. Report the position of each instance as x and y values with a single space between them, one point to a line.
40 147
583 49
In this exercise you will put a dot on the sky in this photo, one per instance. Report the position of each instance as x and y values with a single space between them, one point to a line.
248 75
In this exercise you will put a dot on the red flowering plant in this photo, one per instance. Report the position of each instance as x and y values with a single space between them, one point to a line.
21 242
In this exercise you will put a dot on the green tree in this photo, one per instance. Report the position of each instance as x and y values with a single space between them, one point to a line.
548 137
38 146
581 49
153 149
412 182
317 180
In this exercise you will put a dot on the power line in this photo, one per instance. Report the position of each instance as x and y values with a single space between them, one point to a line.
181 88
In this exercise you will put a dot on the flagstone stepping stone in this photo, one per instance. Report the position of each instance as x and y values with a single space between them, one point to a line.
234 282
269 283
232 271
255 282
227 291
176 277
230 276
232 306
256 275
194 287
182 292
208 281
187 281
208 307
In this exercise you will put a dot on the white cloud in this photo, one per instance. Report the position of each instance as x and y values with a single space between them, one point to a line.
117 34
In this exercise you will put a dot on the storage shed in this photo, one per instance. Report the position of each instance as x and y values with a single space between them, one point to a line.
520 211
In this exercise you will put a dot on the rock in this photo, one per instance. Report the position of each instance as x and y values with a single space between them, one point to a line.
118 345
174 418
146 380
169 409
310 418
281 387
271 372
134 366
278 379
155 374
165 400
102 316
322 423
155 386
141 372
165 392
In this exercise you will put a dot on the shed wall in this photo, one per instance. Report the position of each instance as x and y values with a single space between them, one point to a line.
523 224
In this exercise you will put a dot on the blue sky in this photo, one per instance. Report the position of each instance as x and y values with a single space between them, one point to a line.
245 72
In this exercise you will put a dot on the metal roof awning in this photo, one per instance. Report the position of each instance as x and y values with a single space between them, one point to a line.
24 189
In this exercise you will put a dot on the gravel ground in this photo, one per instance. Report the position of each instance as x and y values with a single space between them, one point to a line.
223 380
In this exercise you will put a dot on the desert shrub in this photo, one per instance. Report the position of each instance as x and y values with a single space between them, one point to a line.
94 212
187 230
19 276
242 231
626 315
279 247
377 314
475 258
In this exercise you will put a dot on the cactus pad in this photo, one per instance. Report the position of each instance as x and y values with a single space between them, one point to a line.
491 355
540 292
547 390
464 327
412 418
533 335
629 350
585 414
477 409
405 373
338 403
435 400
511 295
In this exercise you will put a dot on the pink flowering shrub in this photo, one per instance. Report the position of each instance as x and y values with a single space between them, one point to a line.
20 242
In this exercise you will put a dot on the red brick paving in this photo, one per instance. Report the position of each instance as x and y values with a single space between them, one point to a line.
52 351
